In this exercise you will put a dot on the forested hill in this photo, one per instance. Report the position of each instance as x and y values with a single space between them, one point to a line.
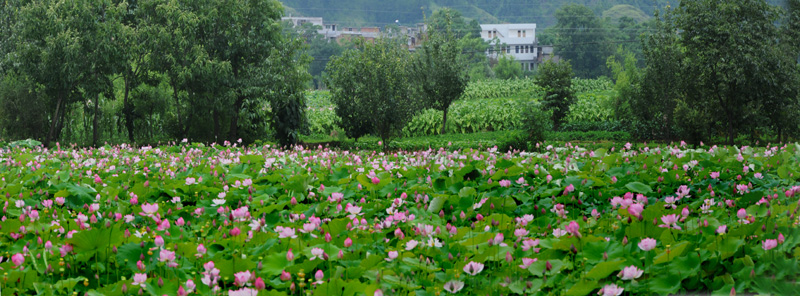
378 13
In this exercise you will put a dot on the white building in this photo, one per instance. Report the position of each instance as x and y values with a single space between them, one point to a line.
517 40
327 30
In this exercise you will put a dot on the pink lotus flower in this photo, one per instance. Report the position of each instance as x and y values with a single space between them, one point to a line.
159 241
285 276
375 180
473 268
636 210
243 292
453 286
410 245
348 242
573 228
722 229
190 181
521 232
630 273
284 232
201 250
139 279
242 278
259 284
670 221
18 259
611 290
504 183
149 209
392 255
168 257
742 214
781 238
319 275
317 253
530 244
526 262
647 244
769 244
714 175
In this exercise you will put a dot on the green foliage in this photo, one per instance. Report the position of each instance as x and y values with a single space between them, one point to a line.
600 84
537 122
626 75
507 68
556 80
596 135
619 11
371 89
21 105
728 78
592 106
438 70
500 88
583 39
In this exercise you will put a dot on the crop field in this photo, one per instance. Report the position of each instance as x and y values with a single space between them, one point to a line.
188 219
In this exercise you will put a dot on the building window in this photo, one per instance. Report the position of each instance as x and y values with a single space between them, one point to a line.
519 33
517 49
531 66
508 49
523 33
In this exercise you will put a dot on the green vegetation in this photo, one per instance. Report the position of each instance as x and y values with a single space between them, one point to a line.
92 71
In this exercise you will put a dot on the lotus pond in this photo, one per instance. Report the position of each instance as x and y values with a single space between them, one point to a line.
187 219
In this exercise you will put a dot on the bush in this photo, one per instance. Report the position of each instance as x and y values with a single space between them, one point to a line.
536 122
590 136
585 126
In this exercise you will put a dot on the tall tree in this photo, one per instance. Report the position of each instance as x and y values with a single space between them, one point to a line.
556 80
662 82
583 39
438 69
373 81
54 38
731 59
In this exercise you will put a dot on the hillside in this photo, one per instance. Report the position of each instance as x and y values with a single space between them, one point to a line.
380 12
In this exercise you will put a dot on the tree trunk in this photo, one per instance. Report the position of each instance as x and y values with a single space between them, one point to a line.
95 124
233 134
730 132
444 120
215 117
51 134
178 110
127 109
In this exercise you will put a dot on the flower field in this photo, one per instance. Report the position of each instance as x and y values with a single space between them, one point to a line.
193 220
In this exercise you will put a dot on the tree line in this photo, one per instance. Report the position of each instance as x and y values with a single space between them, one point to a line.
207 70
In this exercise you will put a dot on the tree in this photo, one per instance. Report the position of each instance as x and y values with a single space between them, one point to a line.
370 87
439 71
661 86
318 47
732 59
582 38
507 67
556 80
54 40
468 33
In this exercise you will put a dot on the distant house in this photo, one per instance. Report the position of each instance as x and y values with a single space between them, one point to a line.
545 53
327 30
332 32
517 40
